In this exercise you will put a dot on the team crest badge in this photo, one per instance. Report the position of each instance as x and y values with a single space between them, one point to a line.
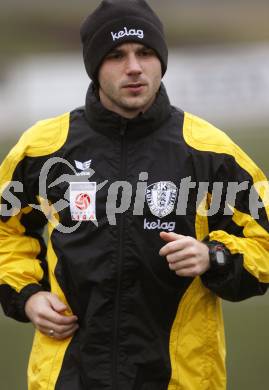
161 198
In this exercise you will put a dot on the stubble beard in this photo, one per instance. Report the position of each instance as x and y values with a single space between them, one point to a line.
121 101
132 102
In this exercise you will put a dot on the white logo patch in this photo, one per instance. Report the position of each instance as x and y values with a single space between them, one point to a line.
83 201
83 166
161 198
125 32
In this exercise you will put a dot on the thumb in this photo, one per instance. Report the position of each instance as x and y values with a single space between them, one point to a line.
169 237
56 303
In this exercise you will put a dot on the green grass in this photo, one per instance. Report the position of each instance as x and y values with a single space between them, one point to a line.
247 341
16 341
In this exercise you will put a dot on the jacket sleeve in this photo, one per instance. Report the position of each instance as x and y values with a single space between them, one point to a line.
23 269
241 224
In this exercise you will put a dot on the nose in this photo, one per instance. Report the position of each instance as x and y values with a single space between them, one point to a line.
133 65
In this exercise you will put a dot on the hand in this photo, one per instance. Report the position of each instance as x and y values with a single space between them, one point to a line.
46 312
185 255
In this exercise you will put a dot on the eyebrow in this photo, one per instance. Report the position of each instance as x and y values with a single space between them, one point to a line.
122 51
116 50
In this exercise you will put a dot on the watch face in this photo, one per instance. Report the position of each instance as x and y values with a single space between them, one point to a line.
220 257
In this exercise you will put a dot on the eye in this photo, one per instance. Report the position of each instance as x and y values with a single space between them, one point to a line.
114 55
147 52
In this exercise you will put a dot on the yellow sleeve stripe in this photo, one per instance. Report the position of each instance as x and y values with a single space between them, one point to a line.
44 369
255 245
18 254
197 340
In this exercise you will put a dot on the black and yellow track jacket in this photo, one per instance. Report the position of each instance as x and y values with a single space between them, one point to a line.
141 326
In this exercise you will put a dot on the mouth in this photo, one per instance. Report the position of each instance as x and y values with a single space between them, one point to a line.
134 87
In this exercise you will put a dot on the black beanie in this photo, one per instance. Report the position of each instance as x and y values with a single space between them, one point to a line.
115 22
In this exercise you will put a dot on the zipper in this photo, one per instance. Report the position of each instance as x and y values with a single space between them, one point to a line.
123 162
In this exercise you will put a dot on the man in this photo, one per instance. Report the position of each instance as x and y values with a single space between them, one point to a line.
128 296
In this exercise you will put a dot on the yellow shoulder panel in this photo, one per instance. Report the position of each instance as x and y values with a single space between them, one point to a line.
203 136
44 138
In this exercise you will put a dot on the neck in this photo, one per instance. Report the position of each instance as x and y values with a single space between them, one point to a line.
107 122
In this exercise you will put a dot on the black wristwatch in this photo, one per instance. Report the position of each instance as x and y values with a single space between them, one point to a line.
219 256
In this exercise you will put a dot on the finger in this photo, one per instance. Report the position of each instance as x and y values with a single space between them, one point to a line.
180 255
168 237
65 335
47 325
52 316
58 335
56 303
188 272
174 246
180 265
53 330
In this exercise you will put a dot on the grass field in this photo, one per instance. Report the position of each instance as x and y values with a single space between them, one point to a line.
247 323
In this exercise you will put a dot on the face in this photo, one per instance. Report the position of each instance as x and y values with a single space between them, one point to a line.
129 78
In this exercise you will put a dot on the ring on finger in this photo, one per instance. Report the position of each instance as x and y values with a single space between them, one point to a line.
51 333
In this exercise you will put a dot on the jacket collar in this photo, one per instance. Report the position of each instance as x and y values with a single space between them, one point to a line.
110 123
